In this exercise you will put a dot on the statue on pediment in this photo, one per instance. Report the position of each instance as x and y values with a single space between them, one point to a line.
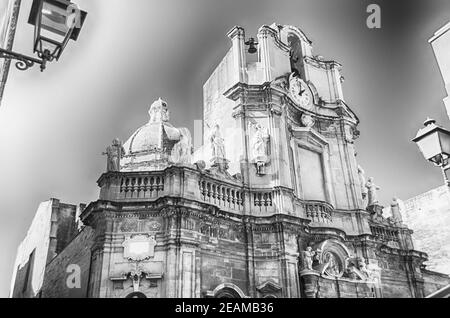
114 153
217 143
308 256
395 211
372 194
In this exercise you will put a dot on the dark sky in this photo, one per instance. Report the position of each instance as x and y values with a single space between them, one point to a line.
55 125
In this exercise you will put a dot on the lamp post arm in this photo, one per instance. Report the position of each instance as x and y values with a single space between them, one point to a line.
23 62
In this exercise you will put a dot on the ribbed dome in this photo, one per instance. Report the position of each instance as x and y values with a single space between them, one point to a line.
157 144
152 137
156 135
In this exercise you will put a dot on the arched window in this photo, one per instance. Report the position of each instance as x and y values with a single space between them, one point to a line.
227 293
296 54
136 295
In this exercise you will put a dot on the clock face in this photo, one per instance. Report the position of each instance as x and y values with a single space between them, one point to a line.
300 93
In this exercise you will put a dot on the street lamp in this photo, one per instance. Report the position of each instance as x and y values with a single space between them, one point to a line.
434 144
55 23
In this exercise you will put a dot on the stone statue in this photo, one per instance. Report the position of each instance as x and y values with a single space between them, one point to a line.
217 143
350 271
395 211
362 267
372 189
182 150
260 143
115 152
332 268
308 258
362 181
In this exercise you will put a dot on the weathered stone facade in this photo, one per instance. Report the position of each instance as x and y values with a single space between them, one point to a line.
273 205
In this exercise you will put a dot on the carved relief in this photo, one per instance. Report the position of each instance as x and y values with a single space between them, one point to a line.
307 121
153 226
129 225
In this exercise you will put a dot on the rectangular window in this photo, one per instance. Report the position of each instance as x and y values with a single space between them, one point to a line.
311 174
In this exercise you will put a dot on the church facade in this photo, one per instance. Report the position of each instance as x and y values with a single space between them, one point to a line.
274 204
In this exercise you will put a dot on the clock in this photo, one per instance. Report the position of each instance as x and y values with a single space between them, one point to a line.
300 92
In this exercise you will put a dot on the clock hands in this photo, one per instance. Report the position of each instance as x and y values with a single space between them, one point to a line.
301 92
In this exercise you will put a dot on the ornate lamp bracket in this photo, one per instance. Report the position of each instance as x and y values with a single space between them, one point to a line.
23 62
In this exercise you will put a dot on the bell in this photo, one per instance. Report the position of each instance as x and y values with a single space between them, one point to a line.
252 46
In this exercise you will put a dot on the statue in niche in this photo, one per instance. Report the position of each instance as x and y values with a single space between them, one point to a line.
372 189
260 146
114 153
362 181
395 211
182 151
308 256
217 143
333 268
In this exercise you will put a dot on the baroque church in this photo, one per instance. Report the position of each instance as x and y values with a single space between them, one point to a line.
273 204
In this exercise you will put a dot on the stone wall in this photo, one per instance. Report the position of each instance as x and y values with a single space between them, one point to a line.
434 281
428 215
78 252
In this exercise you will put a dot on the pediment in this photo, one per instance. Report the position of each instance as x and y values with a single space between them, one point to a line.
309 135
268 287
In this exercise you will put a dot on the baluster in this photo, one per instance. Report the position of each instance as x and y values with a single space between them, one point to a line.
203 189
139 182
223 196
158 182
208 187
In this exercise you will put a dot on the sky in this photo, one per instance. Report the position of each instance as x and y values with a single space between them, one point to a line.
55 125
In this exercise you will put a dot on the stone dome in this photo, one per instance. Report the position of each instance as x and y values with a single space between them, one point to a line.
157 144
156 135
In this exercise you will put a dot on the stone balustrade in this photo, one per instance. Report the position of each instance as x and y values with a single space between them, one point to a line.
384 234
221 194
193 184
318 211
145 186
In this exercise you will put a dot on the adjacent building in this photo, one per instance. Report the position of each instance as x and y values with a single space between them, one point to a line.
441 47
274 204
428 215
54 226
